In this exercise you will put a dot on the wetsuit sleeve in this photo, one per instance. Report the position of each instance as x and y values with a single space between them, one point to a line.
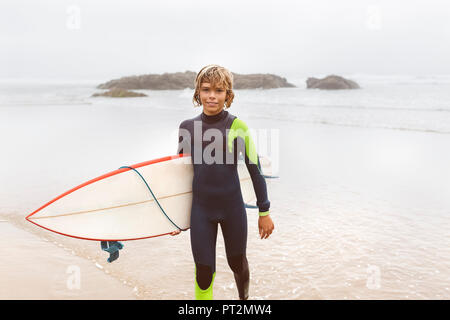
184 139
240 131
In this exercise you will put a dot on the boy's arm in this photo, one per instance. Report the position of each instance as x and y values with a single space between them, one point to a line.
239 130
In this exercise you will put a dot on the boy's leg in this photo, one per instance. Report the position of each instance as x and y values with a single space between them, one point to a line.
239 265
203 244
234 229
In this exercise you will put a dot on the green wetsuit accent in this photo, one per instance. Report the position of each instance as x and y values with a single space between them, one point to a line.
265 213
240 129
206 294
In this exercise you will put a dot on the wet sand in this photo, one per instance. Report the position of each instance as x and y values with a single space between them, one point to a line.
359 214
360 208
39 269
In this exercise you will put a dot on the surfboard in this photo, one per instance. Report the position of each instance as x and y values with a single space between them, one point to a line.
144 200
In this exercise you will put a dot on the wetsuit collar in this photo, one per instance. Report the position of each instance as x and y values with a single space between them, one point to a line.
214 118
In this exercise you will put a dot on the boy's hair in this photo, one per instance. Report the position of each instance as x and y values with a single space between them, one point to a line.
217 76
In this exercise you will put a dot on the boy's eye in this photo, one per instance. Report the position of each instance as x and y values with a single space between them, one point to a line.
207 89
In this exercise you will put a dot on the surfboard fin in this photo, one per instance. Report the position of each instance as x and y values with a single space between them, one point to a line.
113 248
270 177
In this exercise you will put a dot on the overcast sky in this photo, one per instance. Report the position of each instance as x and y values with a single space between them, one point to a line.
103 39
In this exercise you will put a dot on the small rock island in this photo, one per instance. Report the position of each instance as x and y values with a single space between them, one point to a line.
183 80
331 82
119 93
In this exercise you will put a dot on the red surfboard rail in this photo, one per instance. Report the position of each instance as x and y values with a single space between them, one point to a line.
112 173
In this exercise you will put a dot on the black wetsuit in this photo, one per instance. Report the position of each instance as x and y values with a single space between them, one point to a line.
217 197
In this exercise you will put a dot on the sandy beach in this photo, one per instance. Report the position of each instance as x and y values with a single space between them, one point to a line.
360 208
349 100
37 268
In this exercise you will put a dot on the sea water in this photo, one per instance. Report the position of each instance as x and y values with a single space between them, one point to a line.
361 206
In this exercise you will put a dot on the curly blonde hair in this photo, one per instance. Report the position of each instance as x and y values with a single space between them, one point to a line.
217 76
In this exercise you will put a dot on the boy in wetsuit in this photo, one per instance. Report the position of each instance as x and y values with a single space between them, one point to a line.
215 139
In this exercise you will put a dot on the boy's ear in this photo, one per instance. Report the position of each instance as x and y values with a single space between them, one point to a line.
227 99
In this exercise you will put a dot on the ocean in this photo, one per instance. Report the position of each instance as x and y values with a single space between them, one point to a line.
361 206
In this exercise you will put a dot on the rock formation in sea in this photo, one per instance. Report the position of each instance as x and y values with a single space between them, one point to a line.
183 80
119 93
331 82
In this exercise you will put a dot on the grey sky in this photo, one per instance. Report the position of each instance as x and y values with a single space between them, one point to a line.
105 39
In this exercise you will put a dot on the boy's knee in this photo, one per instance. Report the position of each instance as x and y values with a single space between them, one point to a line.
238 263
204 275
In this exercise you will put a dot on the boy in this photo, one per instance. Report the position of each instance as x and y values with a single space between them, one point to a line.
216 189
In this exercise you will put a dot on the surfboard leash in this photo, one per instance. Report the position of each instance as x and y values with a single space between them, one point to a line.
156 200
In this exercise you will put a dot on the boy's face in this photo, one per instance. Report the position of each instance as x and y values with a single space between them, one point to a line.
212 98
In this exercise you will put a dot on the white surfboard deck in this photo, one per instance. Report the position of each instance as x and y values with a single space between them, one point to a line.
119 206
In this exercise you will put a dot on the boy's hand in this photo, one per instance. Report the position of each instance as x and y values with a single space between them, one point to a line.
265 225
174 233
